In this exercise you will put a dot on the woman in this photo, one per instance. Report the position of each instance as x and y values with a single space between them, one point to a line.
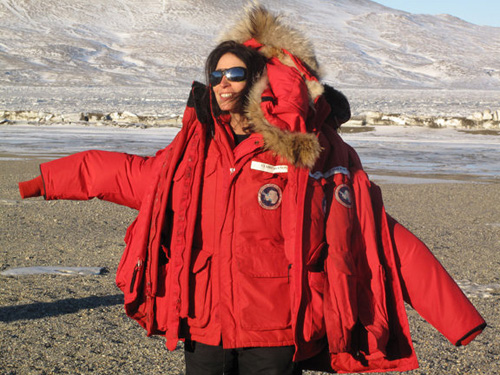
214 293
260 241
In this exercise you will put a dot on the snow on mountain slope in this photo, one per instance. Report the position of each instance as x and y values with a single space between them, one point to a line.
163 43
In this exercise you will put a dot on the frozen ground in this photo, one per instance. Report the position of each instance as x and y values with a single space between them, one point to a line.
395 153
52 141
428 153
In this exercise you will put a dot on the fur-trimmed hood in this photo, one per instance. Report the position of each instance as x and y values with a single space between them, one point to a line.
268 29
299 148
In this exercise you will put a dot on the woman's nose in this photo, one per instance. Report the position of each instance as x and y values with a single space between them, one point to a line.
224 81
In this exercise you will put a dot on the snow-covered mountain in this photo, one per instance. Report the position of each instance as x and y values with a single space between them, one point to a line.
163 43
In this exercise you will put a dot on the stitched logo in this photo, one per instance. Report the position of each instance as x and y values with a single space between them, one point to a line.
270 196
343 195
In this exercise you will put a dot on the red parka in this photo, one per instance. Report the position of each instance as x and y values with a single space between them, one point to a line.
282 240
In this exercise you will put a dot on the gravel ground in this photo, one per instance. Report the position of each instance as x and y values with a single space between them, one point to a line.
51 324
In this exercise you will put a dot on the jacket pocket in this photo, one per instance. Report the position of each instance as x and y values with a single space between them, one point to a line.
263 291
373 314
200 296
130 272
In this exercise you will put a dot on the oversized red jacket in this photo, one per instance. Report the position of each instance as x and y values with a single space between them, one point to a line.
343 265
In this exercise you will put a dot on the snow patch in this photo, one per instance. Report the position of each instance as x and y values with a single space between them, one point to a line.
54 270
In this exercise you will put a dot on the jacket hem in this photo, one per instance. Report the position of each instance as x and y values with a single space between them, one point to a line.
257 344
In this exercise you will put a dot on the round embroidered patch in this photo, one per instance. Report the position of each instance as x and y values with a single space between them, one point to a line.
343 195
270 196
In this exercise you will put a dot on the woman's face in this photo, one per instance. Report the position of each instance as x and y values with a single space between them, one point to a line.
227 93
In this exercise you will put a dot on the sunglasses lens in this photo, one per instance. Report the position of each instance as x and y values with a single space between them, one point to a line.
216 77
236 74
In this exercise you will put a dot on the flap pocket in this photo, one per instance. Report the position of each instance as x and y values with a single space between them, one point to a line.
263 264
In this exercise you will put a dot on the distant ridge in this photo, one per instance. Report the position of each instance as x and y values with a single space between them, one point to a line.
359 43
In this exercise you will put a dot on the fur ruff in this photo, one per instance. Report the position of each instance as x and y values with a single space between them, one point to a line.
299 149
269 30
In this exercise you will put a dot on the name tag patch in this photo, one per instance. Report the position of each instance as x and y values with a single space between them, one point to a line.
270 196
263 167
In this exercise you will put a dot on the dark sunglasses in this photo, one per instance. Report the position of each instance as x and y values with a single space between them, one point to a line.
236 74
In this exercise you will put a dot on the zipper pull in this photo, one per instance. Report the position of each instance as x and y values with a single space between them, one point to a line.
134 275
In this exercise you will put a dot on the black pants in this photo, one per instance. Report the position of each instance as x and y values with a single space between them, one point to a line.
204 359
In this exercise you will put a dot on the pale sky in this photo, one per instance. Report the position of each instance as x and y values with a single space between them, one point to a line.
480 12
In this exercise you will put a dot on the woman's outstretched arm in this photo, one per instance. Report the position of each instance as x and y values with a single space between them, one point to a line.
112 176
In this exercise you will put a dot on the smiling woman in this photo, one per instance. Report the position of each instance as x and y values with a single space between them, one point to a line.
231 70
228 91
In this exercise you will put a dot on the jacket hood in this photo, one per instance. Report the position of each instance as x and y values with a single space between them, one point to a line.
260 28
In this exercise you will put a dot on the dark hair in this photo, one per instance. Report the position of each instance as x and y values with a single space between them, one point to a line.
254 61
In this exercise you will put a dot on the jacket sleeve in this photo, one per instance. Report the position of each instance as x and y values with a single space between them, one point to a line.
112 176
429 289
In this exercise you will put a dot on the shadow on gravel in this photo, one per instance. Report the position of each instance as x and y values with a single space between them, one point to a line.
61 307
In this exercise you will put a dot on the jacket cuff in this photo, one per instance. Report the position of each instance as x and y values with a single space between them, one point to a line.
32 188
471 335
